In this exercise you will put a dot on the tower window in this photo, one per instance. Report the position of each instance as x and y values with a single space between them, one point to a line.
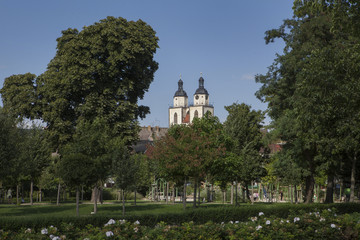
196 114
175 118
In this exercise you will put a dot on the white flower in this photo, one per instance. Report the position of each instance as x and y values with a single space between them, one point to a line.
44 231
261 213
137 222
122 221
222 223
310 213
296 219
253 219
322 219
86 239
281 221
329 209
55 237
258 227
287 221
333 225
28 230
236 222
109 233
231 222
268 222
136 229
335 214
111 221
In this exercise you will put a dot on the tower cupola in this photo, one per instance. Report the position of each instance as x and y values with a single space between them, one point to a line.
180 92
201 96
180 96
201 89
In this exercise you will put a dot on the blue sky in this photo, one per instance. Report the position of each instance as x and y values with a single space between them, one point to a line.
222 39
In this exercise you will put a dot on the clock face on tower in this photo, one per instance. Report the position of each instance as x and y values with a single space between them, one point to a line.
196 97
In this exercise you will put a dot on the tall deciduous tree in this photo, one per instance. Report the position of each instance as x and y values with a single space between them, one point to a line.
91 140
100 71
35 153
9 149
77 169
187 151
311 88
243 126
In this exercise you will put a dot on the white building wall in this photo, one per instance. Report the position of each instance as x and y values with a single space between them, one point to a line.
202 100
180 102
210 109
192 112
178 111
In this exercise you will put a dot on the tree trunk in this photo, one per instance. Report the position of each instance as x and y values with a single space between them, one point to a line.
82 193
247 192
40 196
135 197
77 201
184 195
329 189
95 190
243 193
195 188
207 192
101 195
199 193
295 194
31 192
123 203
17 194
236 193
291 194
232 194
352 179
58 195
309 181
252 192
167 192
173 194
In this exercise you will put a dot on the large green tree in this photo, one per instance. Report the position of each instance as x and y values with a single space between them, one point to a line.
187 151
100 71
9 149
243 126
311 88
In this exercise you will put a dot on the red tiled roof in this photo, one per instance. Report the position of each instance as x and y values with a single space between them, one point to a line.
186 119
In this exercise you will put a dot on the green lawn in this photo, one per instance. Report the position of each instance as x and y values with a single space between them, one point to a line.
68 209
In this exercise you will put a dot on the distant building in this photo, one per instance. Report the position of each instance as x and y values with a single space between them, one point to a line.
147 135
183 113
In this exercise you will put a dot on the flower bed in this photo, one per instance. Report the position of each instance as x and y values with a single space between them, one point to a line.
311 225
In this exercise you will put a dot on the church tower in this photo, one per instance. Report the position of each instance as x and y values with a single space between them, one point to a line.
177 112
201 102
181 112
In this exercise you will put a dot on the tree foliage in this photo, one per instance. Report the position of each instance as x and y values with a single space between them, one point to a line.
100 71
311 89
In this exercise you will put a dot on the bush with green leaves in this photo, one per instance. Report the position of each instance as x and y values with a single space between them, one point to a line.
311 225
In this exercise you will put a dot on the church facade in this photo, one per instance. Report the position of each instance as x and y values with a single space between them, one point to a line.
181 112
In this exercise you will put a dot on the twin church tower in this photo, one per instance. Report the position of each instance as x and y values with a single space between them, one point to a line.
183 113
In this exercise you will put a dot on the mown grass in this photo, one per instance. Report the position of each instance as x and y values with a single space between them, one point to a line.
37 216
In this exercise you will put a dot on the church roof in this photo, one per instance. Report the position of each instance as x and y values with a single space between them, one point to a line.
201 89
180 92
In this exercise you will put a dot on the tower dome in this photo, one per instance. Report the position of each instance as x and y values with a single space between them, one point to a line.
201 89
180 92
